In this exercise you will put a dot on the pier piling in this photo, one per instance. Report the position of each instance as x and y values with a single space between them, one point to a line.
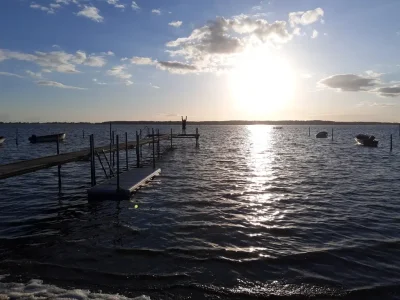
108 163
158 143
92 162
137 150
332 134
110 150
197 137
171 138
154 158
16 136
83 134
101 164
117 162
141 153
391 142
126 150
59 166
309 131
113 153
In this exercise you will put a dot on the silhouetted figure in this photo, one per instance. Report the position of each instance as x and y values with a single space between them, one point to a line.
184 125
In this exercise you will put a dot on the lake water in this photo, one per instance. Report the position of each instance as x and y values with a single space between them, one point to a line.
252 212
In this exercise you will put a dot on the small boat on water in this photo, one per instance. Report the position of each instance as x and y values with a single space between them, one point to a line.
2 139
322 135
47 138
366 140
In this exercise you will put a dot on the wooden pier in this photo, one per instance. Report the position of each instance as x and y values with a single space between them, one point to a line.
32 165
118 184
123 187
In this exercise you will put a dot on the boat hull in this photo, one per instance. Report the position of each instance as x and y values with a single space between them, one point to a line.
367 143
2 139
322 135
47 138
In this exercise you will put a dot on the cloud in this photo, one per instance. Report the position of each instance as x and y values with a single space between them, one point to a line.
154 86
58 61
91 12
314 34
138 60
373 74
305 17
348 82
58 85
175 24
156 11
50 10
33 74
390 91
120 73
98 82
116 4
210 46
10 74
135 6
176 67
256 7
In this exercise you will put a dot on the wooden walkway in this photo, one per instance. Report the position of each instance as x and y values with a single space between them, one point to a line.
32 165
129 182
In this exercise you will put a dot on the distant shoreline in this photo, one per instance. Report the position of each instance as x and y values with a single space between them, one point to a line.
232 122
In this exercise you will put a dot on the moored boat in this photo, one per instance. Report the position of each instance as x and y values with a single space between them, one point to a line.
366 140
2 139
47 138
322 135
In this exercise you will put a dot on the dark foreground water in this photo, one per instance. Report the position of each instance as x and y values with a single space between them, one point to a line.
253 212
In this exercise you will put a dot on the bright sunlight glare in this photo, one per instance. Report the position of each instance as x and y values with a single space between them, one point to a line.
262 83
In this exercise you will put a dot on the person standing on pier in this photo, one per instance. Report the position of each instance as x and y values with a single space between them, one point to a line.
184 125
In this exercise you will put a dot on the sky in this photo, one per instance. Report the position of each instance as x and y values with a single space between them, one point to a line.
101 60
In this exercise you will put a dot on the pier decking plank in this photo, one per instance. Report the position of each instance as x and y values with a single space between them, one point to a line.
32 165
128 182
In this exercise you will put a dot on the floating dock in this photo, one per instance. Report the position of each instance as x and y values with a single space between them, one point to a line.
129 182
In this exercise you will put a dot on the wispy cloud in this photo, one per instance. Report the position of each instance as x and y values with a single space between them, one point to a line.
91 12
10 74
33 74
58 61
116 4
135 6
58 85
314 34
305 17
175 24
156 11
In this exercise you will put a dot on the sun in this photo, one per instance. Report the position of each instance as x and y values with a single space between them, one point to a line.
261 83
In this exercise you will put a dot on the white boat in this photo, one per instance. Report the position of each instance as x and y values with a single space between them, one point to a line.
322 135
47 138
2 139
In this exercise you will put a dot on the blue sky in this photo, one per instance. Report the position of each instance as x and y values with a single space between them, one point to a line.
97 60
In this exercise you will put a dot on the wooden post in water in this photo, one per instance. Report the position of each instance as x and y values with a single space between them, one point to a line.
171 138
117 162
91 161
111 171
158 143
399 129
197 137
141 152
113 141
309 131
16 137
126 150
332 134
59 166
94 162
154 157
83 133
137 151
391 142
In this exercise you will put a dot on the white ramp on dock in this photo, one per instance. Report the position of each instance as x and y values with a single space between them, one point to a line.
128 183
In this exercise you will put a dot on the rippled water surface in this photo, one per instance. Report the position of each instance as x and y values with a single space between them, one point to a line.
253 211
